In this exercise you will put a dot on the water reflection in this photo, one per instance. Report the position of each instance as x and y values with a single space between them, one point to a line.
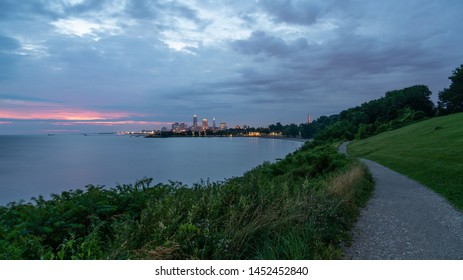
32 165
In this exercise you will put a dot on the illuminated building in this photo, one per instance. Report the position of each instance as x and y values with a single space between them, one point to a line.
195 121
223 126
308 119
147 131
205 125
275 134
213 123
182 127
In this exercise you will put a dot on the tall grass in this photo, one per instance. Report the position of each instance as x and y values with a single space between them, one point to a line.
301 207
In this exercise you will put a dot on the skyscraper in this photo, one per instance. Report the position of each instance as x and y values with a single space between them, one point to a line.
182 127
213 124
195 121
205 125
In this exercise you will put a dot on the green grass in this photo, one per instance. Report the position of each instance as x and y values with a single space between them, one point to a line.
430 152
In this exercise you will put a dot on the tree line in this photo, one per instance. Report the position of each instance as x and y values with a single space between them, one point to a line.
395 109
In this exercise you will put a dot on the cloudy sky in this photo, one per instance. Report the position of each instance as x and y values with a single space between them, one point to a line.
93 65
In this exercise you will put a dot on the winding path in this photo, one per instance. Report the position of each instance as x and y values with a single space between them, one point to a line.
405 220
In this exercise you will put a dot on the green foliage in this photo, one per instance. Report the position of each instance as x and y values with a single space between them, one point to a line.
396 109
291 130
430 152
364 131
451 99
278 210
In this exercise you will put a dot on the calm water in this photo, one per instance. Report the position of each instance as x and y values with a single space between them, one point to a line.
33 165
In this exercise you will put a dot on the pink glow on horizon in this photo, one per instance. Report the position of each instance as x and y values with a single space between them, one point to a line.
68 114
57 114
61 130
111 123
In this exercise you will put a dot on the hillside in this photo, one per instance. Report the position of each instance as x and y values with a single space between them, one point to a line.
430 152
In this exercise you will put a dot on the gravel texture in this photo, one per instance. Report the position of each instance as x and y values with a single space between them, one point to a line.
405 220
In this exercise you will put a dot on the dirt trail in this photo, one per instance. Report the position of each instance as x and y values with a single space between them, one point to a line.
405 220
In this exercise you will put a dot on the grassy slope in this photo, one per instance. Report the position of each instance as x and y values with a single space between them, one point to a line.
430 152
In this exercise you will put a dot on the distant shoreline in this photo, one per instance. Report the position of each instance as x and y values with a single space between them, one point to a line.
226 136
286 138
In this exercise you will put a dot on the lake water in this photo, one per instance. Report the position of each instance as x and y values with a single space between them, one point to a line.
41 164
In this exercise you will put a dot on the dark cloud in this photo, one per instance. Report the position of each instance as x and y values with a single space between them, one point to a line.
142 9
262 43
300 67
14 10
291 11
85 6
148 9
355 55
33 9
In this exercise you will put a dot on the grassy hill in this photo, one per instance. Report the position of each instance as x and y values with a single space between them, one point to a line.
430 152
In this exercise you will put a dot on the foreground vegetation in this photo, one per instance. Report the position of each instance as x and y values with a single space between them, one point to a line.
301 207
430 152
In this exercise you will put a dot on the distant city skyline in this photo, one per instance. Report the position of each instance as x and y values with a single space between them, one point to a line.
75 66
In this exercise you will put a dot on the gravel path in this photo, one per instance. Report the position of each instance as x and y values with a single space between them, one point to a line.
405 220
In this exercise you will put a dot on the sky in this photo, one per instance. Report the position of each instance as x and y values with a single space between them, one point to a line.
76 66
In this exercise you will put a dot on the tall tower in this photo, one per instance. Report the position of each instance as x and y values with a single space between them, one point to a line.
195 121
213 123
205 125
308 119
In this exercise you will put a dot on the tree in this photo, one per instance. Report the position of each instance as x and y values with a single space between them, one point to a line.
416 98
278 127
307 130
451 99
291 130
